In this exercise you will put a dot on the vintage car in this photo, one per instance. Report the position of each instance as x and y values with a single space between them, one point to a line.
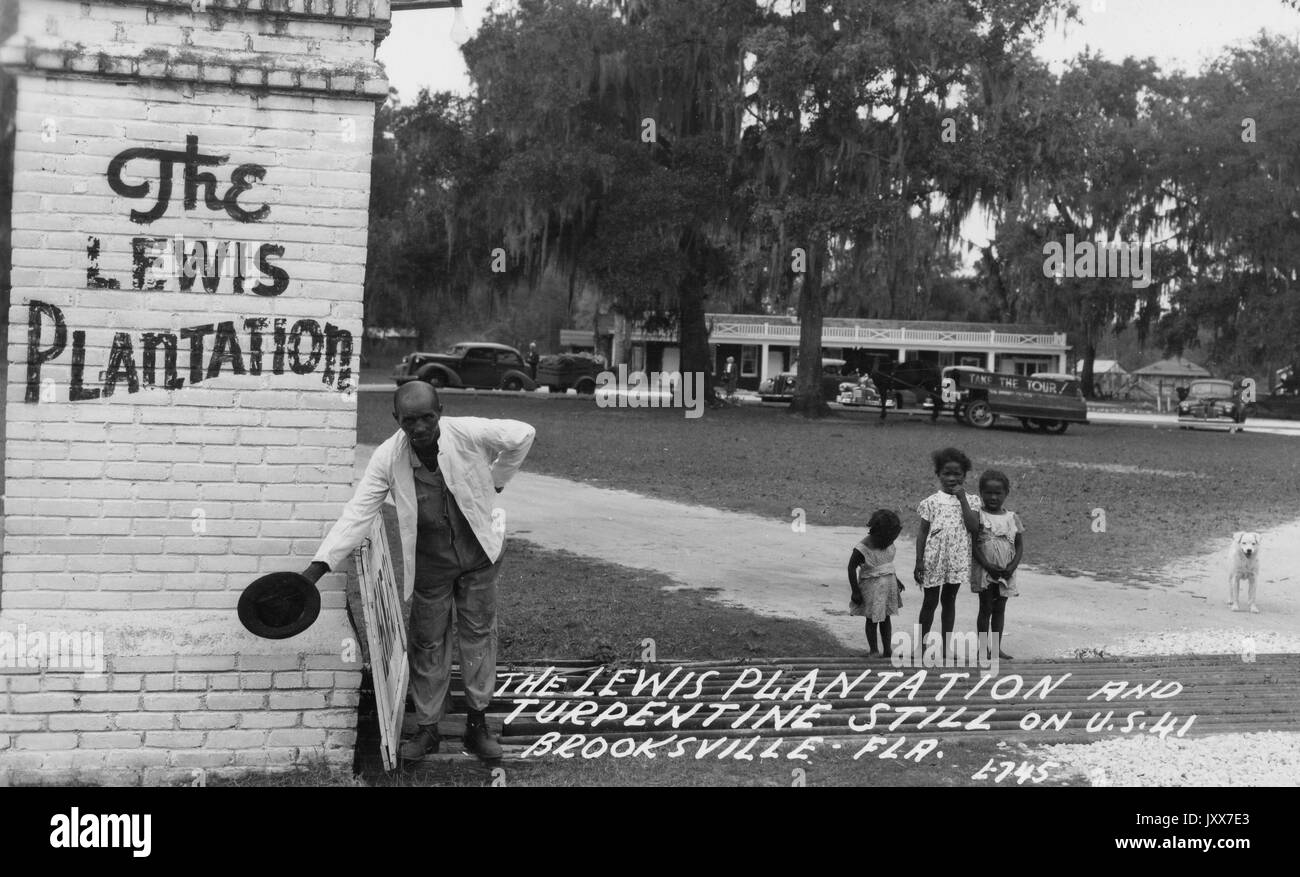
861 392
1046 404
782 387
1215 404
477 364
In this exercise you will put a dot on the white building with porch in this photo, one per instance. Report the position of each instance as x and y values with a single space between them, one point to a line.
766 345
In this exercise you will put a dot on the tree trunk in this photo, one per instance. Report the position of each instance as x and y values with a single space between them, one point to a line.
998 285
808 400
559 314
1089 355
694 334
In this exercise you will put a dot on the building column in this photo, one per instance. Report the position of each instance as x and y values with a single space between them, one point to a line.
992 363
1064 365
902 355
762 363
616 355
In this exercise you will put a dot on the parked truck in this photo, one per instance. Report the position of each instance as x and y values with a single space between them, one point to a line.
559 372
980 397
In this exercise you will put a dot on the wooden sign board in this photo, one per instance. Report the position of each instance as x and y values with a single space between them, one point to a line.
386 634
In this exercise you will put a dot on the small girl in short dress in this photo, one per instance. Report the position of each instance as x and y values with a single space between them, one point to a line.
943 542
997 551
874 587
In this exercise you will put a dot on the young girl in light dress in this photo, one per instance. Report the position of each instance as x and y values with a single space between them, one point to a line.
874 588
997 550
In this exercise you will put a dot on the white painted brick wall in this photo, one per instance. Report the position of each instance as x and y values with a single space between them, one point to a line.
100 494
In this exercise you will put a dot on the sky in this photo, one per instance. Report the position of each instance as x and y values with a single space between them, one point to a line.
422 52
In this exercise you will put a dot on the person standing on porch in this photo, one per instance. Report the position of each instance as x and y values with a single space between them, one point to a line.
533 359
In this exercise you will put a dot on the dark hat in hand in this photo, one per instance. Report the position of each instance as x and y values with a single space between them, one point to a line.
279 605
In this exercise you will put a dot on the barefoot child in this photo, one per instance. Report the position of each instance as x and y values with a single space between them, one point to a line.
943 542
875 588
997 549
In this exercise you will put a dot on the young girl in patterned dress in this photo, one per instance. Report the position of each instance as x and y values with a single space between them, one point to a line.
874 587
943 542
997 551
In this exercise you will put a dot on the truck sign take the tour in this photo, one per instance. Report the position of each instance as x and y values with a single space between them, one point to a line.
1046 404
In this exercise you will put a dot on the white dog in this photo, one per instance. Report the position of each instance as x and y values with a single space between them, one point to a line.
1243 563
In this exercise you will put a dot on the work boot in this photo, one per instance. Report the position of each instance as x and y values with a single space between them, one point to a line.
478 737
426 740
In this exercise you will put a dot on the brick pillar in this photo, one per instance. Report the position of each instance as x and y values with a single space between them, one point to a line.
174 429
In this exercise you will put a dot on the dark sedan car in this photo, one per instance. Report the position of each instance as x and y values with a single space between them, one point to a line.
482 365
1213 404
782 387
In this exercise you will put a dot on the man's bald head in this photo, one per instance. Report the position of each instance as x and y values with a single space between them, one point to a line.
415 393
416 408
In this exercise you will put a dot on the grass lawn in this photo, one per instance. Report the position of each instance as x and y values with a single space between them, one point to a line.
1166 492
553 604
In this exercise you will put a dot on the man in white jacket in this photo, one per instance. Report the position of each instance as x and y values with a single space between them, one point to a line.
442 474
